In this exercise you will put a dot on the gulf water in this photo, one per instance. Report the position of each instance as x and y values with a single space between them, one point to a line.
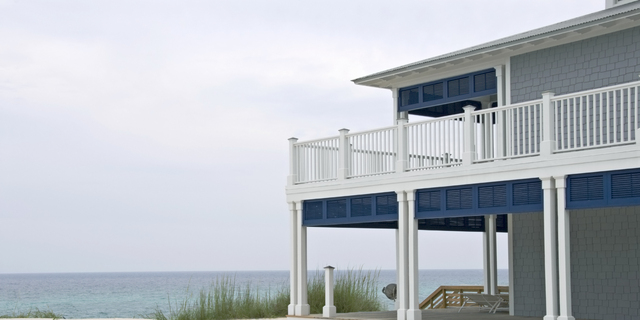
136 294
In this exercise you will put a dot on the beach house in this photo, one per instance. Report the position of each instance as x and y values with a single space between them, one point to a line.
534 135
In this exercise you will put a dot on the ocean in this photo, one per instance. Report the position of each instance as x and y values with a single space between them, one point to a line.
136 294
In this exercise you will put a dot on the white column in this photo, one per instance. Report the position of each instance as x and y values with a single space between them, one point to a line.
511 273
500 123
548 143
403 257
293 162
302 307
398 240
490 255
413 311
550 249
293 273
564 251
469 143
343 155
401 137
329 310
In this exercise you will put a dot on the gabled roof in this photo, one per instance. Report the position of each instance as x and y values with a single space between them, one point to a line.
605 19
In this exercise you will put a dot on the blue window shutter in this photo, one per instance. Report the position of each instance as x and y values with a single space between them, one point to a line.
458 199
312 210
386 205
492 196
361 207
337 209
587 188
625 185
527 193
429 201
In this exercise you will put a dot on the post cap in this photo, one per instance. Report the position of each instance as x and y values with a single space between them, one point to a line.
293 139
344 129
329 268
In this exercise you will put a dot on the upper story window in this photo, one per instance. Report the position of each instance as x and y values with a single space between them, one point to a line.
448 90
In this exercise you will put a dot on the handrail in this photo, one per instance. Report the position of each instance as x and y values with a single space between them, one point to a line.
441 298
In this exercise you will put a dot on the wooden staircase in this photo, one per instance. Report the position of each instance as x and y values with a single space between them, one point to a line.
451 296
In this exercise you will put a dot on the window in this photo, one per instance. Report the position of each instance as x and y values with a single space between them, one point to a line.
409 97
484 81
458 87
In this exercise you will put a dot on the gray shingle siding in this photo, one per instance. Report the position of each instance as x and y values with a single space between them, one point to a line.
589 64
605 263
528 263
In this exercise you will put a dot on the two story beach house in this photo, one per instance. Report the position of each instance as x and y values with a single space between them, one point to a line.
534 135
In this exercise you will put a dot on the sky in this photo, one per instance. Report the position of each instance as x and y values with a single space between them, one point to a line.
148 135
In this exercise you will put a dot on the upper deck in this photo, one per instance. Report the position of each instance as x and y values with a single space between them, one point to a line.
550 130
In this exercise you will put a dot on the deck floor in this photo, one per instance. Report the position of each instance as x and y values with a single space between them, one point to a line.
431 314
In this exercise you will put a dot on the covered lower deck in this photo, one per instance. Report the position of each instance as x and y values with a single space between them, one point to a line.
431 314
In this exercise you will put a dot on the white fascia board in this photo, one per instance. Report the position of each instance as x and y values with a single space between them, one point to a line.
578 162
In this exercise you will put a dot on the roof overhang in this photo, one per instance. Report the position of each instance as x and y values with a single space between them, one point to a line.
602 22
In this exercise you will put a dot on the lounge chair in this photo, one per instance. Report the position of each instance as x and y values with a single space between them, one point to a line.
485 301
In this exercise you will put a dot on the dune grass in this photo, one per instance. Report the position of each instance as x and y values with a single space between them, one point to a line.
32 313
354 291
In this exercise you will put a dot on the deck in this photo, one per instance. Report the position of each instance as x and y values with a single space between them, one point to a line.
432 314
594 119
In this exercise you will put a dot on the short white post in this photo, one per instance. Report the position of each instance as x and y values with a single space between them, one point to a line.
564 251
293 162
293 274
343 155
329 310
469 153
401 148
550 249
413 310
548 143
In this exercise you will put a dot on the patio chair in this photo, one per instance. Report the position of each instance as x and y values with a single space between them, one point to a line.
485 301
504 304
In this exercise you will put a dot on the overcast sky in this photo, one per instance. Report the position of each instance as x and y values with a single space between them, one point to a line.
152 135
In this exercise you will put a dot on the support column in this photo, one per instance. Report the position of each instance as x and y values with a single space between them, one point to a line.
511 270
398 240
413 310
564 251
550 249
401 138
490 255
293 273
302 306
403 256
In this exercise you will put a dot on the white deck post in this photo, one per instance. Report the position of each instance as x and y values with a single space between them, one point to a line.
329 310
548 143
398 240
293 162
490 255
500 123
401 148
293 273
343 155
413 311
302 307
403 259
469 153
564 251
550 249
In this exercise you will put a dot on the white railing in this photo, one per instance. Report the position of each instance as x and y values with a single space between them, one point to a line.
435 143
590 119
508 132
372 152
596 118
316 160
